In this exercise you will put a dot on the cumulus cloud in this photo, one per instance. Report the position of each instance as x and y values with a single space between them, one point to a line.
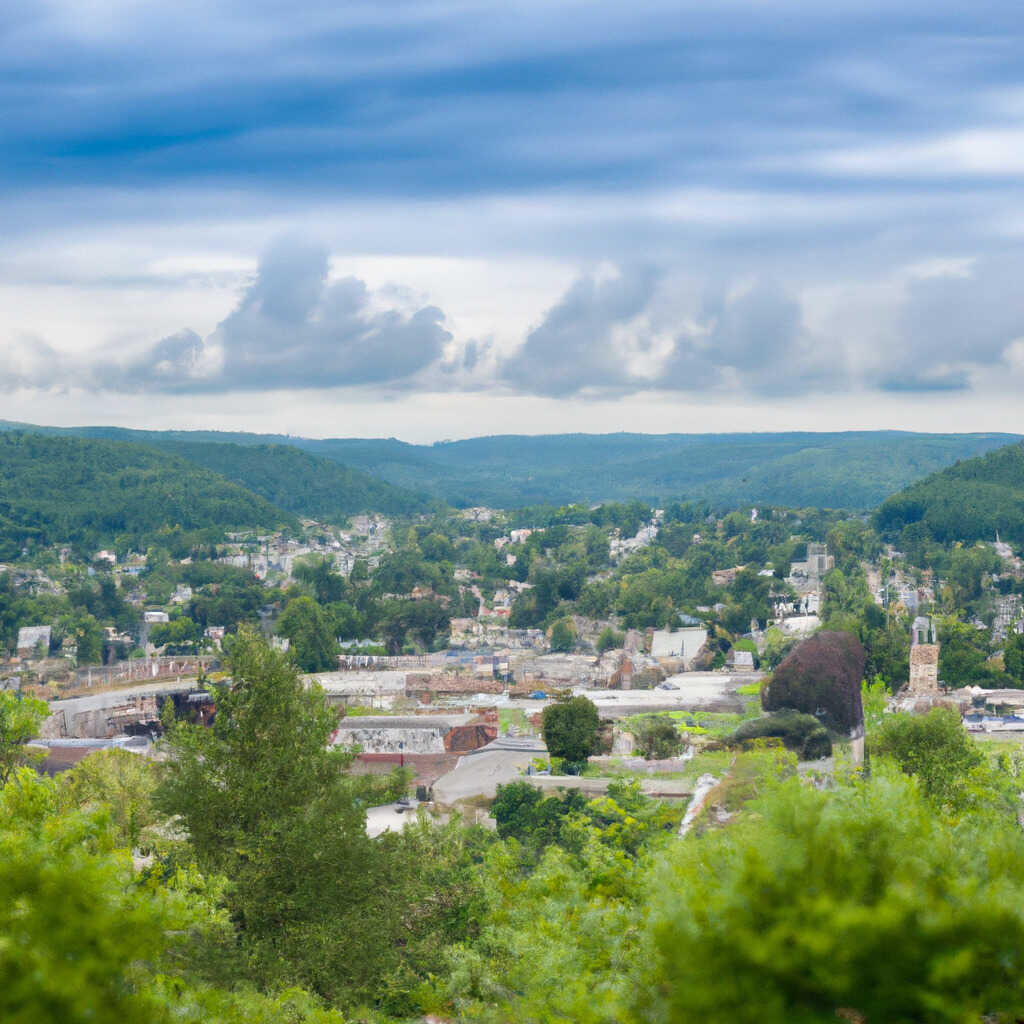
586 338
294 328
639 328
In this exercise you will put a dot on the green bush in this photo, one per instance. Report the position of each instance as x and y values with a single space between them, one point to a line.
801 733
657 737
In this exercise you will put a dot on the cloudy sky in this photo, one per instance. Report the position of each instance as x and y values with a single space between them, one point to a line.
447 218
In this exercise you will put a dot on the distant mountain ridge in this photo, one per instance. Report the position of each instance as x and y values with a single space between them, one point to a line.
856 470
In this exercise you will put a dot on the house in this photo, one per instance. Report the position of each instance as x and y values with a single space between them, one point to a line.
152 618
33 640
105 556
684 643
740 661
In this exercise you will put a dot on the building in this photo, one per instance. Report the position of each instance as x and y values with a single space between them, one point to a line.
924 658
684 643
33 641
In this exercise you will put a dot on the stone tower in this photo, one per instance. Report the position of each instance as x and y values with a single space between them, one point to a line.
924 658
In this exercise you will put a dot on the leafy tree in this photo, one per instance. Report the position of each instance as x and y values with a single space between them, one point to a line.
801 733
563 636
319 574
20 719
310 630
268 803
934 748
822 677
570 728
609 640
1013 656
118 781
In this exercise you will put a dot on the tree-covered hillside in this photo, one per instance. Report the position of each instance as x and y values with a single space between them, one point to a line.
853 470
972 500
845 470
299 482
92 493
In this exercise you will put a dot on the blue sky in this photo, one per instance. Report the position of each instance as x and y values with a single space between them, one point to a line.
443 219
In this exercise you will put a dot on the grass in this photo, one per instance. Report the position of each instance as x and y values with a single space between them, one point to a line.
516 717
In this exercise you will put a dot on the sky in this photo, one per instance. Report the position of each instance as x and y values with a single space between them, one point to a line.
447 218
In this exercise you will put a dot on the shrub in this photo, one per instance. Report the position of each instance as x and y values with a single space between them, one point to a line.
801 733
657 737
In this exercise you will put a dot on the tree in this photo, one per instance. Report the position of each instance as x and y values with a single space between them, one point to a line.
20 719
570 729
934 748
563 636
319 574
311 632
609 640
115 779
267 802
821 677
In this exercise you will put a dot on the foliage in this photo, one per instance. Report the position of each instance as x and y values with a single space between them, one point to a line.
656 737
20 719
969 501
609 640
570 728
79 939
266 802
799 732
299 482
821 677
310 630
563 636
933 747
89 493
856 904
118 781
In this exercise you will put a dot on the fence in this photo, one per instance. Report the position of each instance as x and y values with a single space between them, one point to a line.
140 669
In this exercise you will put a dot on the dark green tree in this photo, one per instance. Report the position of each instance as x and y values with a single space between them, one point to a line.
570 729
311 632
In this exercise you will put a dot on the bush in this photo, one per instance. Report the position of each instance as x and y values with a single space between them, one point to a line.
801 733
609 640
822 677
657 737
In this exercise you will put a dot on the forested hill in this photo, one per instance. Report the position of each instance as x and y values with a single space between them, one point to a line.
846 470
96 493
299 482
971 500
854 470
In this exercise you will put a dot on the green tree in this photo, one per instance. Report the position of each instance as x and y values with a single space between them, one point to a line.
20 719
319 574
934 748
563 636
120 782
267 802
609 640
311 632
570 728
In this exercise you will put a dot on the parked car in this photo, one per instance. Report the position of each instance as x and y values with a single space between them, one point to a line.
538 695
